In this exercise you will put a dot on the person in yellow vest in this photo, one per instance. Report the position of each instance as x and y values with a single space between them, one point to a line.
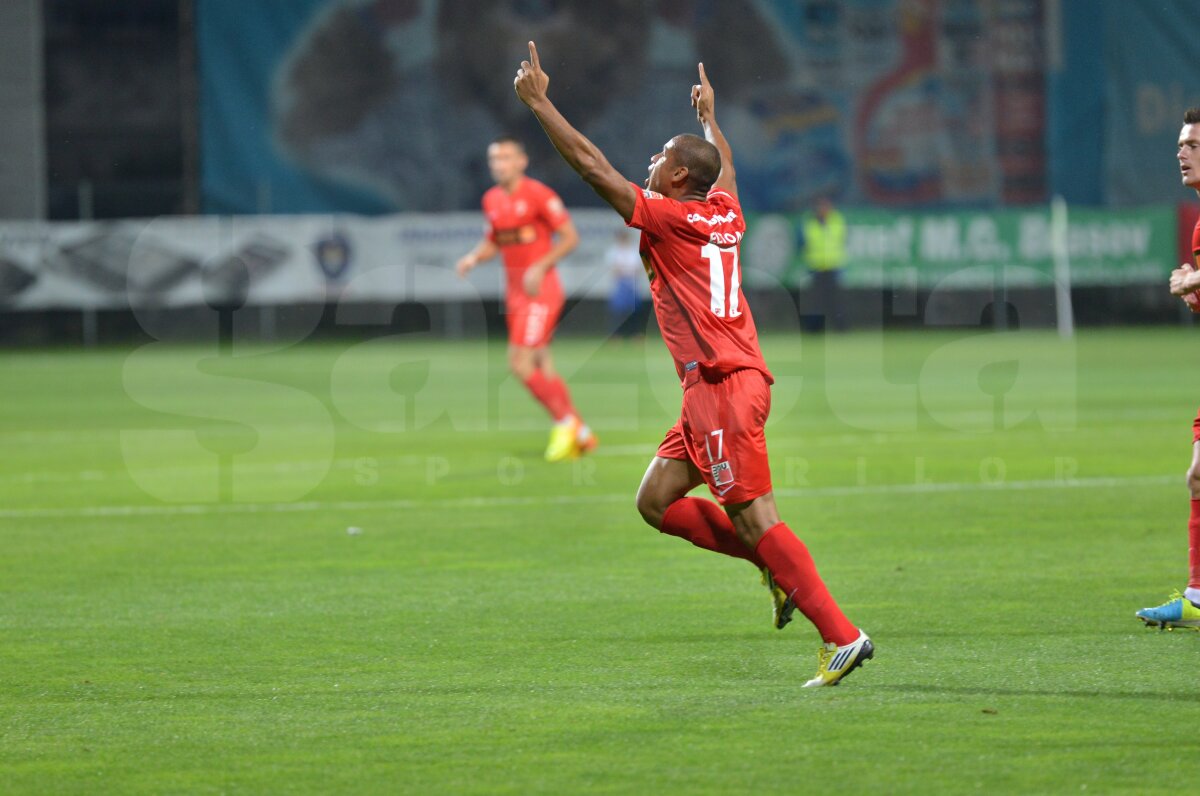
824 246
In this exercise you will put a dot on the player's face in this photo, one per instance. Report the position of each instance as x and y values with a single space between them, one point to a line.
507 162
1189 155
661 166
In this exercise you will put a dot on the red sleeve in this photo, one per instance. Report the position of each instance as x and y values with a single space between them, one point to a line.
1196 243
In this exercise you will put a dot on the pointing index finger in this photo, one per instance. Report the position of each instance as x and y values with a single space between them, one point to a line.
703 77
533 56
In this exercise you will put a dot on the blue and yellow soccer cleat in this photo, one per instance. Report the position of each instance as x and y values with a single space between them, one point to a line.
1177 611
834 662
782 605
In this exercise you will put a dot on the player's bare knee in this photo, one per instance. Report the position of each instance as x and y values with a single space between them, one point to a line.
1193 481
521 366
545 363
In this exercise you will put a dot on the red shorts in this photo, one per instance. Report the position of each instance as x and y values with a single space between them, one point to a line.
531 321
720 430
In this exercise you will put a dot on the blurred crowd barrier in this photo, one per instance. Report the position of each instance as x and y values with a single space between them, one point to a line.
234 261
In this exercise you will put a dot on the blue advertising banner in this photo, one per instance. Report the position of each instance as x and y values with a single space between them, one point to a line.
1120 76
388 105
243 166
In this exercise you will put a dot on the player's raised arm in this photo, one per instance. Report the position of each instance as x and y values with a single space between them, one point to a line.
581 154
703 102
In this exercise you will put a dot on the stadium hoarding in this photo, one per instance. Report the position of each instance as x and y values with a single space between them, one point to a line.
230 261
279 260
889 249
372 106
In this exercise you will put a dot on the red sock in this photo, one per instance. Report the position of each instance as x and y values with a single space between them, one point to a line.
704 524
548 395
562 396
794 570
1194 547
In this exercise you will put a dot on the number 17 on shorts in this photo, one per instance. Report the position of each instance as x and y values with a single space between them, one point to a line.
722 471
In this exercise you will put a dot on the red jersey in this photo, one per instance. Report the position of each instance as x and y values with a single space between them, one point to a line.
1193 302
1193 299
522 223
1196 243
691 254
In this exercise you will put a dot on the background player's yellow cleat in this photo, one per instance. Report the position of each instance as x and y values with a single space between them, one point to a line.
562 441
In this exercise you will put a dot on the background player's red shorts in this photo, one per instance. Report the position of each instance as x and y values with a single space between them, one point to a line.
1196 428
531 321
720 430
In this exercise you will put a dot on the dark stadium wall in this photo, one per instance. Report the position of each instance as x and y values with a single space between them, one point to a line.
114 108
22 123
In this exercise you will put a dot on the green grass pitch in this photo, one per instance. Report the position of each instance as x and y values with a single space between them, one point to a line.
183 607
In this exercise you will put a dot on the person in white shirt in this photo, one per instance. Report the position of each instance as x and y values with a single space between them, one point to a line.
626 307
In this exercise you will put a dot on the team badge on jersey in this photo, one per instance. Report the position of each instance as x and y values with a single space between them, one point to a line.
649 194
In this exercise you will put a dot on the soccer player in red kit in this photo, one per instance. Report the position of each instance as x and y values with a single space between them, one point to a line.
523 218
692 226
1183 610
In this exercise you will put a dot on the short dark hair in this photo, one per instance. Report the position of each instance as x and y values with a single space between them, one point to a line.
508 139
1191 116
702 159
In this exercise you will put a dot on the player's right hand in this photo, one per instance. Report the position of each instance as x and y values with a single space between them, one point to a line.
702 98
1181 282
1182 286
465 264
531 82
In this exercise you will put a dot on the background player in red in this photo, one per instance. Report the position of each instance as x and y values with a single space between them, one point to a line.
692 226
1183 610
524 217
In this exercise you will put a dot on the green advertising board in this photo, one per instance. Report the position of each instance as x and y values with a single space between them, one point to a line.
972 249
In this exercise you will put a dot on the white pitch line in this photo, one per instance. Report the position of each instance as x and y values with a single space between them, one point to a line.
290 466
1003 486
561 500
296 466
304 506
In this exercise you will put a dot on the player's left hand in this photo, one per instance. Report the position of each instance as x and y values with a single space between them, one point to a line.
531 82
532 281
702 98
